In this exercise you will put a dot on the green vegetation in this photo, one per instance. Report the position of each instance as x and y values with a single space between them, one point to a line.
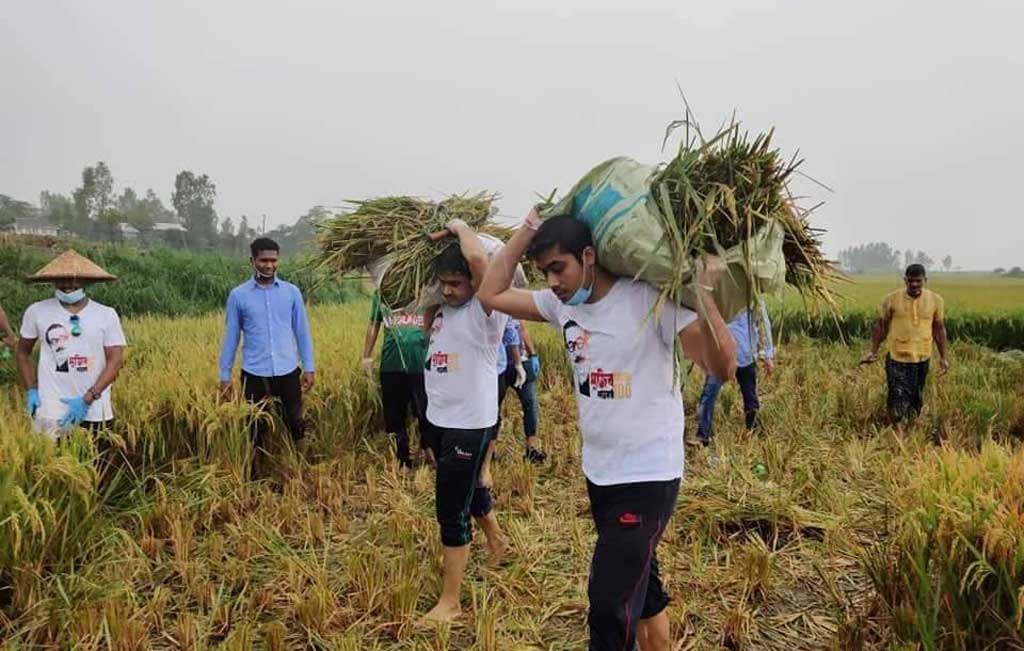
980 308
963 292
160 281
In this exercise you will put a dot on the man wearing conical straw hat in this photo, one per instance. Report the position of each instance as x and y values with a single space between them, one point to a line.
81 349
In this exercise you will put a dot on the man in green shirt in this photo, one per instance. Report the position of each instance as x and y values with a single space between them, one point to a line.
403 355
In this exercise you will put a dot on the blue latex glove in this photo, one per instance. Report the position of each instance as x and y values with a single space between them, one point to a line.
77 409
32 402
534 365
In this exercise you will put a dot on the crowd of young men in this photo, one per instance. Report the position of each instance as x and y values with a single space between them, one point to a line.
451 366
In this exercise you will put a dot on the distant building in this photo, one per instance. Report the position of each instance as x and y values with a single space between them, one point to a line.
127 231
169 227
34 227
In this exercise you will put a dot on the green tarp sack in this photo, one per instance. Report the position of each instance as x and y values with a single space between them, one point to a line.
615 200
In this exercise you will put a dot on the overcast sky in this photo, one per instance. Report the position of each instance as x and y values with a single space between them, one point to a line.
912 111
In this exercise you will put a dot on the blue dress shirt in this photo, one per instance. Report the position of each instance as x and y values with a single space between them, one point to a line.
273 320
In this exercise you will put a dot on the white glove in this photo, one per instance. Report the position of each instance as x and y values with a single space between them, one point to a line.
520 376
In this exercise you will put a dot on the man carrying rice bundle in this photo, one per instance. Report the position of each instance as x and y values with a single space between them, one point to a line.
461 380
621 344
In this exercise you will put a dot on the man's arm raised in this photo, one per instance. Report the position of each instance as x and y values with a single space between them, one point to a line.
472 250
708 341
496 291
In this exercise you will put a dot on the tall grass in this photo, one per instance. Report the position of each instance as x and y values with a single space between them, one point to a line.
952 574
171 547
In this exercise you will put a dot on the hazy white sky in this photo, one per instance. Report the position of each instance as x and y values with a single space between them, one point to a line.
911 111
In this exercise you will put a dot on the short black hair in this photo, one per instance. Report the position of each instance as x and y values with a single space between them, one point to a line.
567 233
916 271
263 244
451 260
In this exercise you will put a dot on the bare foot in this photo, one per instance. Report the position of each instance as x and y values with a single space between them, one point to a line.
443 612
496 551
486 480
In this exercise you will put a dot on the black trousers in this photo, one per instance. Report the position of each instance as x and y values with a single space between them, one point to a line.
458 493
625 585
906 382
287 391
402 393
746 376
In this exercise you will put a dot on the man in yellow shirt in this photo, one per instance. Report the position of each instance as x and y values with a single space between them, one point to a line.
911 320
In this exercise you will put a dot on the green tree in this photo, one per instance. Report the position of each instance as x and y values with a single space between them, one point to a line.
94 197
873 257
59 210
109 221
227 235
924 260
947 262
244 236
299 236
14 209
193 199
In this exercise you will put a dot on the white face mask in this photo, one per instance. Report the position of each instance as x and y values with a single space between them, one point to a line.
70 298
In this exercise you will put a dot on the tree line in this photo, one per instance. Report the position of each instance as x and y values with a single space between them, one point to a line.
94 211
880 257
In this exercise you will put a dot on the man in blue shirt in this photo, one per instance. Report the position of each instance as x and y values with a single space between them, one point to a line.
518 366
269 316
745 331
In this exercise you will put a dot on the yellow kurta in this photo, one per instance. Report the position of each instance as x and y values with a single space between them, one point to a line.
910 324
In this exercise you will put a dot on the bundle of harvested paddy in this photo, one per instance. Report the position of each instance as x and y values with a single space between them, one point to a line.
718 195
725 196
390 238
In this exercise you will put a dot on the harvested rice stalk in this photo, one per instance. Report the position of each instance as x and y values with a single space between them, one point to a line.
394 229
726 196
719 194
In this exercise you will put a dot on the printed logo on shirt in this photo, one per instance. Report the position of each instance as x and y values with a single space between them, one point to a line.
442 362
616 385
403 321
79 363
435 327
462 454
56 337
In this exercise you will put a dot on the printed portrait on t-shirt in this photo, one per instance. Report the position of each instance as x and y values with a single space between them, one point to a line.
57 339
441 361
577 343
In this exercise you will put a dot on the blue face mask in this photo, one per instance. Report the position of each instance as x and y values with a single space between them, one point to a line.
582 294
70 298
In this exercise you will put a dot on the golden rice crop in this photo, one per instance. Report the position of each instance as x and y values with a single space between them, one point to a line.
173 548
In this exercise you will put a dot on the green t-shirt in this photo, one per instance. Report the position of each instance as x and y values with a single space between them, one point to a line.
405 344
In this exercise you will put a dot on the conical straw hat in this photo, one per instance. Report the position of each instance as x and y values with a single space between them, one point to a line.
71 264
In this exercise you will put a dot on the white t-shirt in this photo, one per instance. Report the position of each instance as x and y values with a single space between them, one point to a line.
461 375
623 360
69 365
